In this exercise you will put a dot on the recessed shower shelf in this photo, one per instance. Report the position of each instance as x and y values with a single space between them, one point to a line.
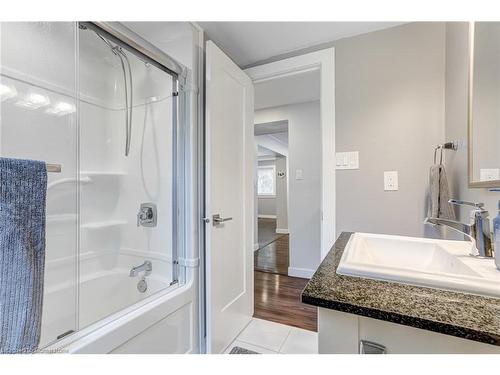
102 174
60 218
103 224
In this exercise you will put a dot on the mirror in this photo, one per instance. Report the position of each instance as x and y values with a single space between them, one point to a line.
484 104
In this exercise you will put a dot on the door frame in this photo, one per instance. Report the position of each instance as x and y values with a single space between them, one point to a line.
324 60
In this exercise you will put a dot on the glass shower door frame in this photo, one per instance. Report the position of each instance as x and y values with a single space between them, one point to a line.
149 53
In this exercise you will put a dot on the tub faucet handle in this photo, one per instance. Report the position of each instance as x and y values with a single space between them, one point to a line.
146 216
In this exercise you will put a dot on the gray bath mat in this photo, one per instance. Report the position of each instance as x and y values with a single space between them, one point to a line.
240 350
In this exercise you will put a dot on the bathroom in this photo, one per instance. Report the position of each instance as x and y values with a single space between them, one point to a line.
129 186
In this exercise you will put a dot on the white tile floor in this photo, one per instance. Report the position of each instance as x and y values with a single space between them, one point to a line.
263 336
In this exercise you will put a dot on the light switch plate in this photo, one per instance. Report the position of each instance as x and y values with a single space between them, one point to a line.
489 174
299 175
347 160
391 180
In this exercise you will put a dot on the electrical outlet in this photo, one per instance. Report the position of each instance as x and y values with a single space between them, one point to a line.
391 180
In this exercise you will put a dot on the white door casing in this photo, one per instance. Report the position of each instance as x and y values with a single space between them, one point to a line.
324 60
229 192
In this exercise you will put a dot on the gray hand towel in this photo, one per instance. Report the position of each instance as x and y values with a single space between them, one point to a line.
23 185
439 194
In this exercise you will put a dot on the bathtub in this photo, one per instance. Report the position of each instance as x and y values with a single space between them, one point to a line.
114 317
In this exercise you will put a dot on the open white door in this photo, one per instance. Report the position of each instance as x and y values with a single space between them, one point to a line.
229 193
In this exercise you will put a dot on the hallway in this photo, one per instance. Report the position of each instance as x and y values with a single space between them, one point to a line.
277 296
272 255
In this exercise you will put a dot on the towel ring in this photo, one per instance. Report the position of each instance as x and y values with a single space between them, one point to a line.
440 148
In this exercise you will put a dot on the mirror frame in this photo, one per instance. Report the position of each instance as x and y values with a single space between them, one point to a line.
470 97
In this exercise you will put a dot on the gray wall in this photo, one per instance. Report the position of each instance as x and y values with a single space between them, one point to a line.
281 194
456 118
390 108
304 136
266 205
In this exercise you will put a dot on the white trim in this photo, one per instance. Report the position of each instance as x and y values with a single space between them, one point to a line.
266 216
266 158
266 196
325 61
256 246
304 273
282 231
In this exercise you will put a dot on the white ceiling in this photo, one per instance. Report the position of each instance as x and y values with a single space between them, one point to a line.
271 127
291 89
250 42
265 152
272 144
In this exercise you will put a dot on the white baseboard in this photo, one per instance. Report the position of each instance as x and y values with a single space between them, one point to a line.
255 246
282 231
266 216
304 273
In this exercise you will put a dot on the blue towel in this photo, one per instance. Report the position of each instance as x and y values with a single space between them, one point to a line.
23 186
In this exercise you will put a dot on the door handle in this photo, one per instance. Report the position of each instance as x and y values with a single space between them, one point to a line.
218 220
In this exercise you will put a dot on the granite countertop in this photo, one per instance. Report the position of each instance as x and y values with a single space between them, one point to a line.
458 314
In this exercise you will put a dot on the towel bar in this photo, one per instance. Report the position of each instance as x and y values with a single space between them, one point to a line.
55 168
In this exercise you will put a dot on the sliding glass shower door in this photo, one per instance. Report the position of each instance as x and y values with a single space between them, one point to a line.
126 201
38 120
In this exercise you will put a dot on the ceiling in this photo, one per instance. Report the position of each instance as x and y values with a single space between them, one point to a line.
272 144
271 127
291 89
263 152
250 42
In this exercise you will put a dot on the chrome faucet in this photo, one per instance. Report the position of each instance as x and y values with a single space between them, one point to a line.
147 267
478 230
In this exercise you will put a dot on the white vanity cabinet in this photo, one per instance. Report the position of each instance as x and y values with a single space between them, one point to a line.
341 333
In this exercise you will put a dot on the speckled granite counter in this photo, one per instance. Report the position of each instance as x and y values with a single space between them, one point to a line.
463 315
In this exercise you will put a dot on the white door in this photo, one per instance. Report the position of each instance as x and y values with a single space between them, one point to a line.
229 193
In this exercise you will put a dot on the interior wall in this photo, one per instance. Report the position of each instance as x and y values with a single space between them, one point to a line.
281 195
304 219
267 205
456 119
389 107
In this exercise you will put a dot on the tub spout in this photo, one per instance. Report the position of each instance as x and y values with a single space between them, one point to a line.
147 267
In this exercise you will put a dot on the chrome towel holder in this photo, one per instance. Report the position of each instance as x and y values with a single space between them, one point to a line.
53 168
445 146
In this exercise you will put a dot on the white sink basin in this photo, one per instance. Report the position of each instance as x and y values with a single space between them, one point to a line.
420 261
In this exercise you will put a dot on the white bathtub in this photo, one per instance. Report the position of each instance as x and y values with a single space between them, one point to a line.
114 317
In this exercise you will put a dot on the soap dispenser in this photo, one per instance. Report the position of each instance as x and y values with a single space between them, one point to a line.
496 237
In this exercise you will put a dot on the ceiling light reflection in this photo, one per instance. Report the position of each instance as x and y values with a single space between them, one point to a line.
34 101
61 109
7 92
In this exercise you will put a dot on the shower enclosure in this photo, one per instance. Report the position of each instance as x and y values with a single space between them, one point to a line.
111 117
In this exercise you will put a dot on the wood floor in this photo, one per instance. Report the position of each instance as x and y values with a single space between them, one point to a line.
267 232
273 257
277 298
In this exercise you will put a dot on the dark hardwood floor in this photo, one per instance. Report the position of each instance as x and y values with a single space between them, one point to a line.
273 257
267 232
277 298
